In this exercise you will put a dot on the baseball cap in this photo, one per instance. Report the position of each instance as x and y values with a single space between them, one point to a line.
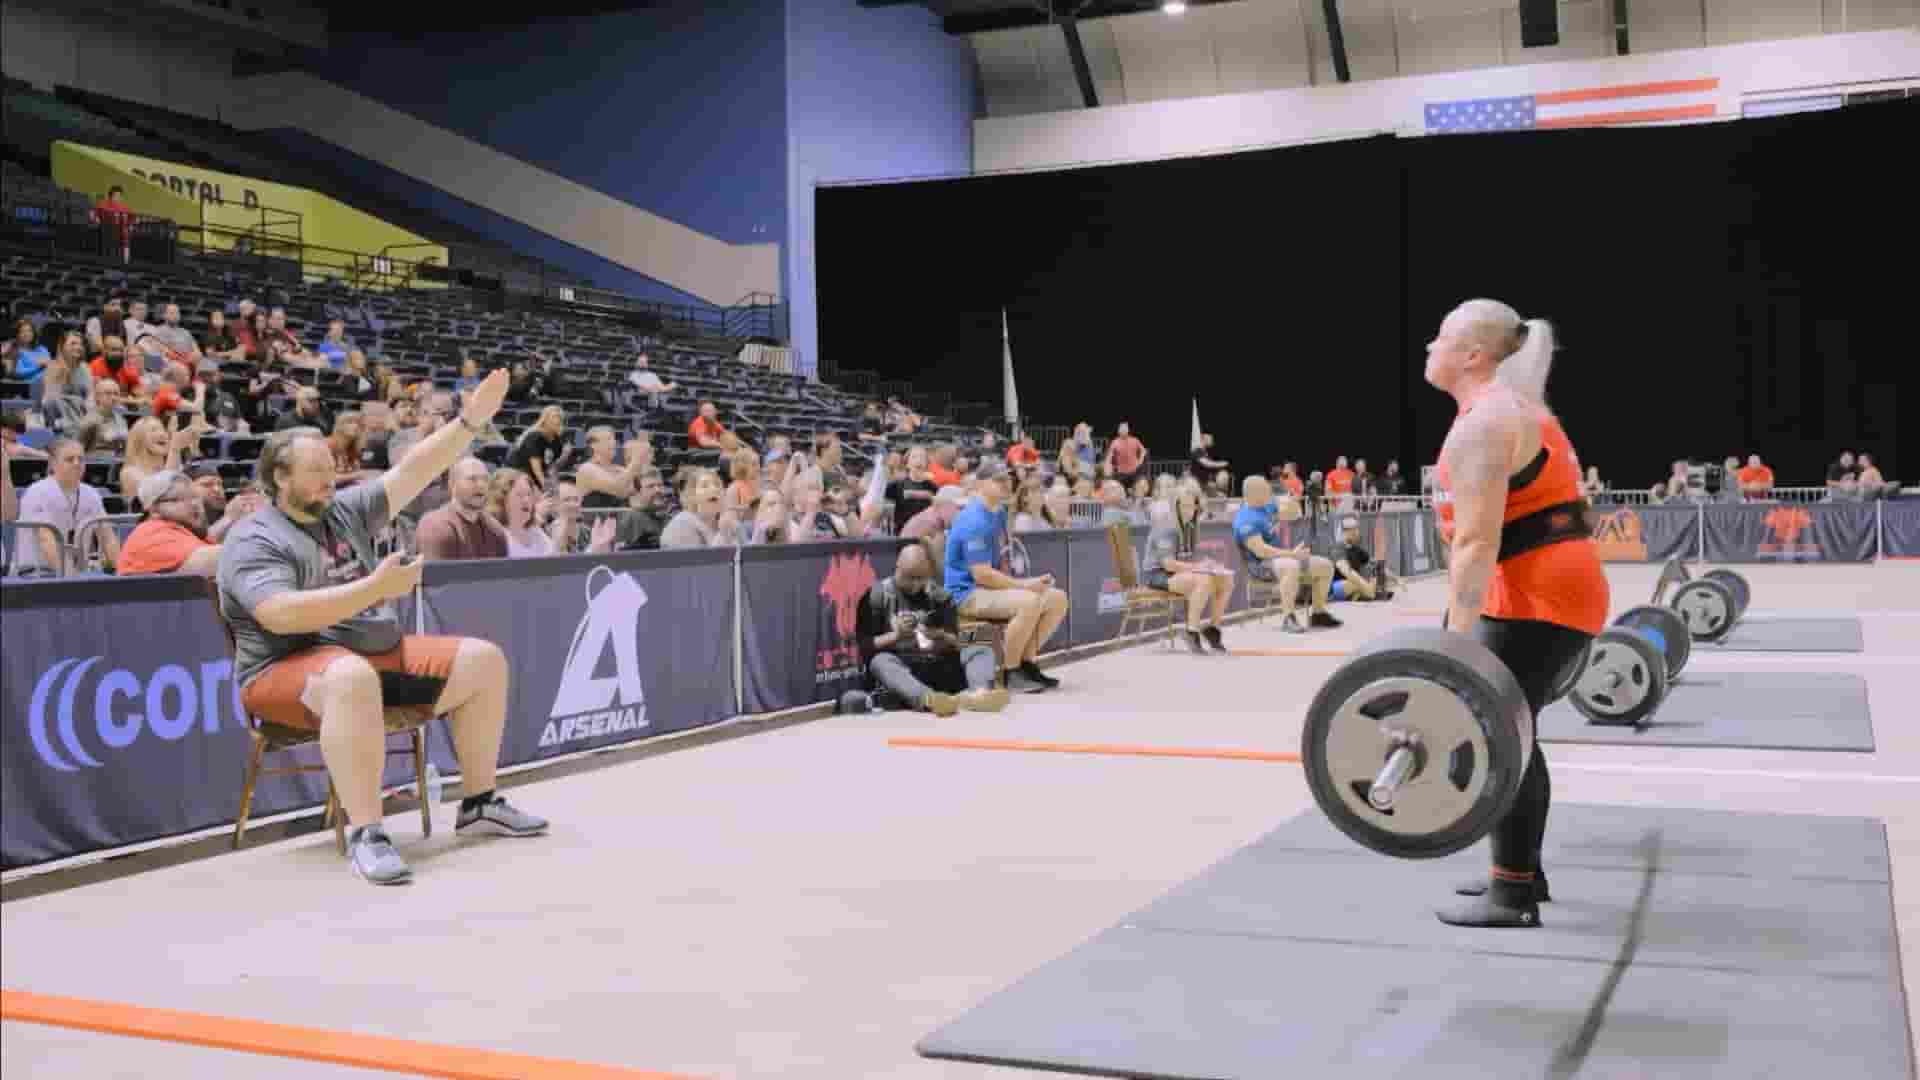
155 487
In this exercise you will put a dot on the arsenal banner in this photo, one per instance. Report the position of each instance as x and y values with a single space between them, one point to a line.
1790 532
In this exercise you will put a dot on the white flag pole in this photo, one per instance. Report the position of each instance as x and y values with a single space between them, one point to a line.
1194 442
1009 394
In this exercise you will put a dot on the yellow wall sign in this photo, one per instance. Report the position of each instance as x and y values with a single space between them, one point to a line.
231 205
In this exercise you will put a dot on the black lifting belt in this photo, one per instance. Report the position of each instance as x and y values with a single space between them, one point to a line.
1547 525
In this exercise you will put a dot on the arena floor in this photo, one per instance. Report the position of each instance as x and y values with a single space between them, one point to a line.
807 902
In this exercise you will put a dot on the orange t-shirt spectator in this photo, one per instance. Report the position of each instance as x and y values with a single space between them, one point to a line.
1755 477
1023 454
1294 484
705 431
157 546
1125 454
128 375
1340 478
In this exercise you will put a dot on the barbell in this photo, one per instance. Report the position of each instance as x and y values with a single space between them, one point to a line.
1416 745
1710 605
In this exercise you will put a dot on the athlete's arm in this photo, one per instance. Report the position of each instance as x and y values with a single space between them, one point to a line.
1479 456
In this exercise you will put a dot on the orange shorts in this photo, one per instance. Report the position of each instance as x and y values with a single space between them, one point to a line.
412 675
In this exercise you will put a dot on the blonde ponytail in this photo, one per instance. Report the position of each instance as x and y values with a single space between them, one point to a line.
1525 369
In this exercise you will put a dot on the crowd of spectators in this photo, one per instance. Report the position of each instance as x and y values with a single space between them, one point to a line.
1848 478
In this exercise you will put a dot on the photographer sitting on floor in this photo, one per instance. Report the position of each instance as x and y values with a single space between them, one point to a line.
1357 575
909 637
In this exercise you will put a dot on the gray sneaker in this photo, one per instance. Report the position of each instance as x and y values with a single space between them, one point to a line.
1290 624
373 858
498 817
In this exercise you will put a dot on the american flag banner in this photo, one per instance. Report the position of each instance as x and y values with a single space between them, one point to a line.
1631 103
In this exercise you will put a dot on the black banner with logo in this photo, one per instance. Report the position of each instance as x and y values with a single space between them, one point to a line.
1900 528
122 719
799 607
1646 533
1790 532
603 650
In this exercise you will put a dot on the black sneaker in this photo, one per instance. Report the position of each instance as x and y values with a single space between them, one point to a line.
1032 671
1477 886
1195 643
1018 683
1212 634
1323 620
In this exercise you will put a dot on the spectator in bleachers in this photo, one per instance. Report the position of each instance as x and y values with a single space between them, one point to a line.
640 527
469 375
115 218
376 427
1023 455
1290 479
1676 485
1028 512
111 321
1032 607
1871 484
1083 488
1126 455
1365 484
359 382
136 323
225 512
807 498
334 346
1340 483
943 465
1756 480
112 363
1392 483
511 502
24 357
257 338
771 522
280 341
1843 477
1057 507
605 485
308 411
937 518
1142 492
1591 486
705 432
827 457
103 430
62 500
172 537
346 440
179 344
874 425
13 425
153 446
645 382
913 492
908 630
777 469
1113 504
1201 463
461 529
427 418
219 342
743 494
543 448
700 522
178 392
247 328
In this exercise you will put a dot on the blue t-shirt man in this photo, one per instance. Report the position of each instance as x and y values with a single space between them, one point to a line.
1254 521
973 539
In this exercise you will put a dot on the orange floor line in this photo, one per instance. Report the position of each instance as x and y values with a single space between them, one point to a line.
305 1043
1114 749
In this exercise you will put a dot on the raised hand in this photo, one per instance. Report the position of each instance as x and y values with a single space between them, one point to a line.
484 400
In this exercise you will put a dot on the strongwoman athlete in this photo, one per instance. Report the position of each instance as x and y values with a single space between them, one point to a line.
1525 578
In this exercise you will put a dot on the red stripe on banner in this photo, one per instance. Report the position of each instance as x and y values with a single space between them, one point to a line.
1608 93
1637 116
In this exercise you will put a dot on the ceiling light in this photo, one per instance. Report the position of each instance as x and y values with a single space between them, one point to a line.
1174 7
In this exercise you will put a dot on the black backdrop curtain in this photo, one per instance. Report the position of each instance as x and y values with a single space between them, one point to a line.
1718 289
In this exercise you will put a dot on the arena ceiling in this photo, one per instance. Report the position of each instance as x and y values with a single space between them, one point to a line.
1051 55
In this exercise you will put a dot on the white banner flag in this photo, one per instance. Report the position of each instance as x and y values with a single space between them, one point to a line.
1010 395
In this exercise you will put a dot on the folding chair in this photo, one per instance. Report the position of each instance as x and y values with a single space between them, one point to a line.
1142 602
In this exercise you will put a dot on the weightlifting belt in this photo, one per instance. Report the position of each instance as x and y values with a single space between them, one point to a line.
1547 525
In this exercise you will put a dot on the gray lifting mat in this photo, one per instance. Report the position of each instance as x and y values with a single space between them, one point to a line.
1684 943
1786 633
1760 710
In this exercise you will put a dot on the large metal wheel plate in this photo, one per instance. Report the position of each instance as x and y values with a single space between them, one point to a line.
1625 680
1707 607
1666 630
1737 585
1470 724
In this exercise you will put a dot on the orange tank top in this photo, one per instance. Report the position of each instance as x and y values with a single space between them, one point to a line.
1562 583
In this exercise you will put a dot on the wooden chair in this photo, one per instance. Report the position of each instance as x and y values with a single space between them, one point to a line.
1142 602
266 738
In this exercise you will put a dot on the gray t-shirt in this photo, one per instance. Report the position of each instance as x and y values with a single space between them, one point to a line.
176 338
47 503
686 530
270 553
1168 541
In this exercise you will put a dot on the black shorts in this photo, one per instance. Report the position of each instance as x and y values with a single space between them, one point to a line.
1538 653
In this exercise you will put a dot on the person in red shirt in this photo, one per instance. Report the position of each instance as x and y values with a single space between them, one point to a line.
1126 455
1339 479
1756 480
1290 477
172 538
1023 454
116 217
705 432
941 469
112 364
